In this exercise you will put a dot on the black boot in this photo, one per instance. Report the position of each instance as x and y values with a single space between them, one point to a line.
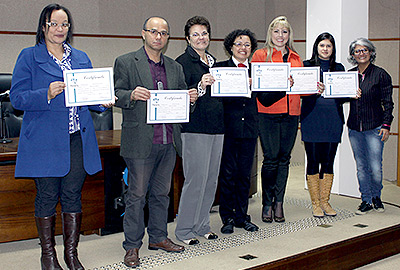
46 229
71 230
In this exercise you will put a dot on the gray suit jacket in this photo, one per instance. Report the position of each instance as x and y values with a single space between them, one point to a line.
132 70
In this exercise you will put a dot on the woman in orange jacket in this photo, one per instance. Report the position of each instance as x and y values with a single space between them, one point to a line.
278 123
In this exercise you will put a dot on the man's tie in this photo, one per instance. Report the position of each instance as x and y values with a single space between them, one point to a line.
241 65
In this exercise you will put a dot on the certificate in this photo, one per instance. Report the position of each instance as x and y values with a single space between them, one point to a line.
340 84
168 106
89 86
270 76
305 80
230 82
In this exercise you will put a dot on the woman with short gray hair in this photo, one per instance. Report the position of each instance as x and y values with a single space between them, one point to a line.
369 122
361 42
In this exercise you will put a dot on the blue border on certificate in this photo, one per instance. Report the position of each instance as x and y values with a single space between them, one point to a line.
257 80
330 95
305 91
67 79
216 88
171 120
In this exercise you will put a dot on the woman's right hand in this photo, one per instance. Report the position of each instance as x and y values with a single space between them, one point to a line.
206 80
55 88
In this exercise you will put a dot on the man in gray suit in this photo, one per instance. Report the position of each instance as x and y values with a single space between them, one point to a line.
148 150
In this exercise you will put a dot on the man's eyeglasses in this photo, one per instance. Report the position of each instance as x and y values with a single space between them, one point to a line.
197 35
155 33
364 51
240 44
56 25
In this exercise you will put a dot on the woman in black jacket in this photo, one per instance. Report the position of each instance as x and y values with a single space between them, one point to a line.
241 132
202 137
369 123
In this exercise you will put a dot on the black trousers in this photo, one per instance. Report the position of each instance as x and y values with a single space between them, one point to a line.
320 153
234 178
67 189
277 135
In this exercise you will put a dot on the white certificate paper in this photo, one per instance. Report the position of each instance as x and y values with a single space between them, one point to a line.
168 106
230 82
305 80
270 76
89 86
340 84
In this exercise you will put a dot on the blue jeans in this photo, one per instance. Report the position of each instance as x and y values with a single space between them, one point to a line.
368 149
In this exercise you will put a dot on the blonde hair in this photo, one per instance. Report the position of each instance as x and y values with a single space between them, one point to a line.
278 21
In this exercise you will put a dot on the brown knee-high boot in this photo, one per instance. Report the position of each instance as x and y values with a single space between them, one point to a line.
325 192
313 189
46 229
71 229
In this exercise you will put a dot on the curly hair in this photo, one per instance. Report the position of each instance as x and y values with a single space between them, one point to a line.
230 39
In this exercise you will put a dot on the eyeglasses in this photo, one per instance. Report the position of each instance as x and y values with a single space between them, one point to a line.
155 33
364 51
197 35
56 25
240 44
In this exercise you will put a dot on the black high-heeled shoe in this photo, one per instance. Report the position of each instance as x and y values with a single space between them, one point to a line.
278 212
266 215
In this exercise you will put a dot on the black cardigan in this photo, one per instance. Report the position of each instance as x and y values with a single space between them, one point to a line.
208 115
375 106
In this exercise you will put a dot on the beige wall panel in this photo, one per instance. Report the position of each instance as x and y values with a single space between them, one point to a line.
103 51
23 15
126 17
384 18
131 15
387 57
390 159
11 46
395 124
295 11
229 15
301 49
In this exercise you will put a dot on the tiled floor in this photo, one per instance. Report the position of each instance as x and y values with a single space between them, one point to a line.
240 250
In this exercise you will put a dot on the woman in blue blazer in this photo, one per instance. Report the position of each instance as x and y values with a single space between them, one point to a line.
57 145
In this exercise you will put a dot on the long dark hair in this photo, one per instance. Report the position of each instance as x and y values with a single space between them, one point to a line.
45 17
332 59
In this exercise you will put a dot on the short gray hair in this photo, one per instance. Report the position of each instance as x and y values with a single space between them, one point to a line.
361 42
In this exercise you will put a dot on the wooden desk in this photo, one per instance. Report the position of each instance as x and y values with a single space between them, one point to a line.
17 196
